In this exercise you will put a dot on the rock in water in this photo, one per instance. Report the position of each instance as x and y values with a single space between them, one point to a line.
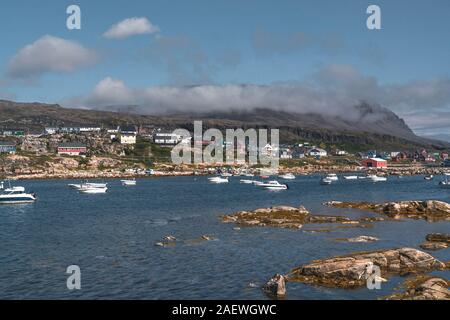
438 237
431 210
424 289
436 241
276 286
352 270
431 245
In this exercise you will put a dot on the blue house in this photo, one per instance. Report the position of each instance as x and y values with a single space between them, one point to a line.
7 147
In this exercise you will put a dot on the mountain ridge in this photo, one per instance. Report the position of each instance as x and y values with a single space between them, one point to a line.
374 126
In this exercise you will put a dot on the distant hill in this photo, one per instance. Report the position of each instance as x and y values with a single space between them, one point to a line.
368 127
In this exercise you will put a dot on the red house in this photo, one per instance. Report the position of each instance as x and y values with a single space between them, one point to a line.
71 148
374 163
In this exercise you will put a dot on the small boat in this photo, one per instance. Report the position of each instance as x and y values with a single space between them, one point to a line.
246 181
350 177
274 185
429 177
226 174
332 177
93 190
89 184
257 183
16 195
2 186
287 176
128 182
375 178
326 181
218 180
445 183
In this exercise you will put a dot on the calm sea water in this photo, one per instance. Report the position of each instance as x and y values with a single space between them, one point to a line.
112 236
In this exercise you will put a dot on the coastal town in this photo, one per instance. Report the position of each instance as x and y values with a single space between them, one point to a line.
131 150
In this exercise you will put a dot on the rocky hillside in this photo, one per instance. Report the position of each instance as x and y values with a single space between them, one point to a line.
368 127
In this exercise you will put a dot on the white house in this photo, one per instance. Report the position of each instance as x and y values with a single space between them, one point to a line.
317 152
167 138
128 134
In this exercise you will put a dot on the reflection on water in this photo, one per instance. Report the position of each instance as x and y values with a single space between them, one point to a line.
112 236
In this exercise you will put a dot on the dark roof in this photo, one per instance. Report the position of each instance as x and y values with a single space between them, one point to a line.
71 145
128 129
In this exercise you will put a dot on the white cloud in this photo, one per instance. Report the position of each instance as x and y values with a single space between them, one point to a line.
49 54
110 91
130 27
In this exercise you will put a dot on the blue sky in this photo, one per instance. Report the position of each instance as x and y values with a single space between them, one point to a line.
405 66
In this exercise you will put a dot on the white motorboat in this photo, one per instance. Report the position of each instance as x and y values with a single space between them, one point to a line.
375 178
128 182
429 177
218 180
332 177
246 181
274 185
326 181
87 184
16 195
350 177
287 176
257 183
226 174
93 190
445 183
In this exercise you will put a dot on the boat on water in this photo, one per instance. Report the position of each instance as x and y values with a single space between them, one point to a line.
226 174
445 183
87 184
350 177
218 180
246 181
429 177
325 181
128 182
2 186
287 176
93 190
375 178
16 195
273 185
332 177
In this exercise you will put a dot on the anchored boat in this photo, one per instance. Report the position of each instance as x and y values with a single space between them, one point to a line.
445 183
273 185
287 176
129 182
16 195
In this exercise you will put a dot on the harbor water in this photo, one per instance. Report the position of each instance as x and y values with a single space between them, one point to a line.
112 237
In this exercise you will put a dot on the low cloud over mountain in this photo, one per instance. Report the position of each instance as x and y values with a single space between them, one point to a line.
333 91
